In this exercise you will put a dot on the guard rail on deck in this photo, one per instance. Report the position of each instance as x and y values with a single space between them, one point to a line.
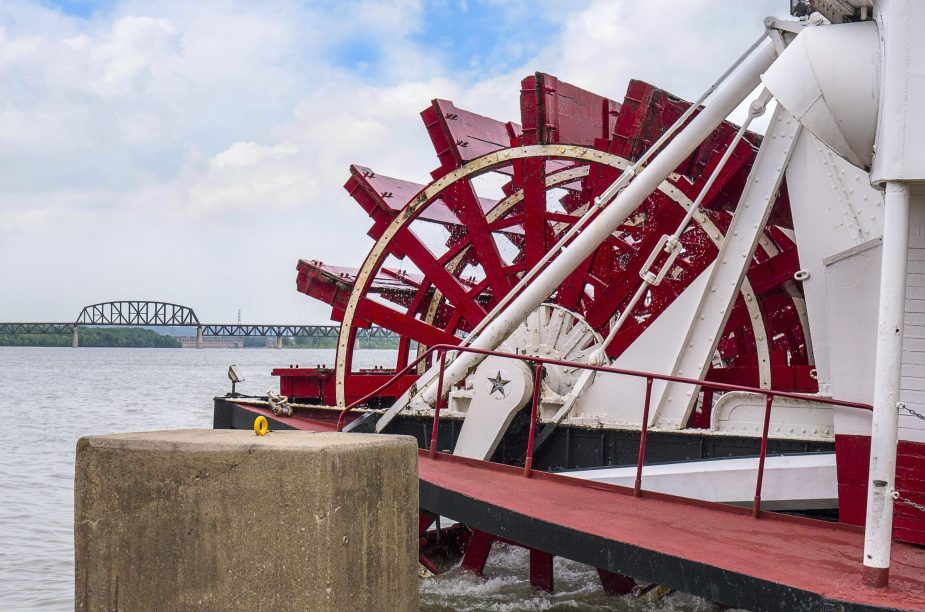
540 362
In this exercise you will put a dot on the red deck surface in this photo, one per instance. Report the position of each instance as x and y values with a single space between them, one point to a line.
814 556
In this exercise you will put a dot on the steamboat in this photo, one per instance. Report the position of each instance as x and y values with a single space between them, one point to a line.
639 335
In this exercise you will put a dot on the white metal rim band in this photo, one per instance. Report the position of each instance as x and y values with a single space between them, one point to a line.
485 164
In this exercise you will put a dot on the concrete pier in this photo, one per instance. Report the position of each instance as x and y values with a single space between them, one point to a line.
75 342
226 520
199 336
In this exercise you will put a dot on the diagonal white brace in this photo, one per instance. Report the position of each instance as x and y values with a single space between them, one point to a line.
729 274
726 99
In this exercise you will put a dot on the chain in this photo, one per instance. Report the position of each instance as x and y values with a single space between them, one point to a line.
896 495
908 501
917 415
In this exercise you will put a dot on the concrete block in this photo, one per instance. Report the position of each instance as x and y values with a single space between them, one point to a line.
226 520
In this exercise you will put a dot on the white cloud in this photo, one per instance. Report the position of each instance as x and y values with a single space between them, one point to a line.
249 176
250 153
127 61
199 148
680 46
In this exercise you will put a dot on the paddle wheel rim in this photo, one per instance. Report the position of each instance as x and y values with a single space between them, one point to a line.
429 194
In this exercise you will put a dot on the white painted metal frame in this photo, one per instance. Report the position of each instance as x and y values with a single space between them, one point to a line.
729 273
725 100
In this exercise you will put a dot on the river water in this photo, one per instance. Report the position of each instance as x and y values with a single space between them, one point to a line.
49 397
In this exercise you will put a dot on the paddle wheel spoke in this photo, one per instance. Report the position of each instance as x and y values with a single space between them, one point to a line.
389 318
465 203
572 290
532 177
439 276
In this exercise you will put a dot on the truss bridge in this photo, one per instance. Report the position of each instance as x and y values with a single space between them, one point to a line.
136 313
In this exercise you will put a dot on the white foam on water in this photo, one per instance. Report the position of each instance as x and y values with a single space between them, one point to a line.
506 588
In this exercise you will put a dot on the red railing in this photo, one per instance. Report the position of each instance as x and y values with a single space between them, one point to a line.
541 362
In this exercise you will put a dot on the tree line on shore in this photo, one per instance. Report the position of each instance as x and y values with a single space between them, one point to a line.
136 337
123 337
331 343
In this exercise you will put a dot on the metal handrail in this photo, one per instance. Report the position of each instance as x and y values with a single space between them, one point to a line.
541 362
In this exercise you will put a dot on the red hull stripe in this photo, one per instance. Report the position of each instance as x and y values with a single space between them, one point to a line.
853 458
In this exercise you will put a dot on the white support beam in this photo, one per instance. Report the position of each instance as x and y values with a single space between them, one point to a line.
728 275
725 100
878 532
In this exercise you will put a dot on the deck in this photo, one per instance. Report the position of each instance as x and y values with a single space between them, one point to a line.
719 552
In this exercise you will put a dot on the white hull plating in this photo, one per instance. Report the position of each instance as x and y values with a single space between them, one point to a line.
795 482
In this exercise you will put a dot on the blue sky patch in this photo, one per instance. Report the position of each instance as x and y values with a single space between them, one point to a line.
356 54
79 8
488 35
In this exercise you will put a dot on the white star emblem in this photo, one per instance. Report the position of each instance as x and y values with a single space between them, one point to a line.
498 384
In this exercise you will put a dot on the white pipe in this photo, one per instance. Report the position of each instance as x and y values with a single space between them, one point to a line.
672 244
878 532
607 195
726 99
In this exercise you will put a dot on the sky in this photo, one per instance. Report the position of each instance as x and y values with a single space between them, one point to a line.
193 152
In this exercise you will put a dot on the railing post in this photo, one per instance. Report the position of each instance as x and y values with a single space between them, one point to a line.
756 506
637 488
534 414
435 430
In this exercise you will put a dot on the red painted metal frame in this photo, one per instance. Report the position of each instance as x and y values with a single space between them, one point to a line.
756 506
541 362
552 112
637 486
534 415
436 427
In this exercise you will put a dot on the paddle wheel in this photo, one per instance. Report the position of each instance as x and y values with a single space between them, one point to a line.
504 194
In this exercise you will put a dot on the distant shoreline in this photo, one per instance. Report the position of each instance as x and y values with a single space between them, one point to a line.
115 337
138 337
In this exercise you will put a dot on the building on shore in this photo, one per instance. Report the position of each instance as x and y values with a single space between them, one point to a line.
211 342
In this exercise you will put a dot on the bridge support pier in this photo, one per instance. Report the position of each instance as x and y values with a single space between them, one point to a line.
279 342
74 340
199 336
